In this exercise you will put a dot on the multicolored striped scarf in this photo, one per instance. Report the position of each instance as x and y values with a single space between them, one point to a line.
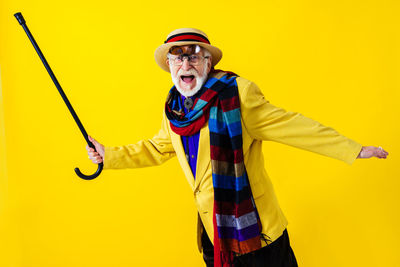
237 226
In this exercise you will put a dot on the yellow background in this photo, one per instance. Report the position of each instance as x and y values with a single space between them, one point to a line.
336 62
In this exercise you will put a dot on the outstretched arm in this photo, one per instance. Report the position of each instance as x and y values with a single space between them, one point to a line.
147 152
265 121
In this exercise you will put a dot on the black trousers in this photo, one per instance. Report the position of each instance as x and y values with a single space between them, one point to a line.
276 254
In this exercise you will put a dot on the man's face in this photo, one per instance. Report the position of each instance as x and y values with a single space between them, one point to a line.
189 77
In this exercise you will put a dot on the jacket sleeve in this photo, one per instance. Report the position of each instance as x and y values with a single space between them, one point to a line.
144 153
265 121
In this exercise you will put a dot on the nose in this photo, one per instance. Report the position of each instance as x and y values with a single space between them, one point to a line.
185 64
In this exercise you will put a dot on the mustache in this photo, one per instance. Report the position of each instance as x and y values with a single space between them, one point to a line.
188 72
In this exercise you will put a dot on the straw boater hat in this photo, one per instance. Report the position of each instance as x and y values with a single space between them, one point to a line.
185 36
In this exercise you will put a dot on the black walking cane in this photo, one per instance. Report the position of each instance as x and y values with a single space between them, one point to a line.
21 21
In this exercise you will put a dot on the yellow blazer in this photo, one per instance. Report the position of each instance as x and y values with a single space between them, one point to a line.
260 121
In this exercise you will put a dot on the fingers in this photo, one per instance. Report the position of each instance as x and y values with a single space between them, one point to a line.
384 151
89 148
95 157
380 153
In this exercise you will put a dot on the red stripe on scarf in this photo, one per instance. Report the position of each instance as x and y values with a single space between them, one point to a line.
229 104
208 97
191 129
226 154
245 246
230 208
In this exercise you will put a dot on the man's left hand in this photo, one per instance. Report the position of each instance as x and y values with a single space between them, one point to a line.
372 151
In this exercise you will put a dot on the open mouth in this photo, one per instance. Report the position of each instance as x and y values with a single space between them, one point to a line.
187 78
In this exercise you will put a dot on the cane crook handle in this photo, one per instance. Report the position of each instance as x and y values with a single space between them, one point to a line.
90 177
22 22
99 168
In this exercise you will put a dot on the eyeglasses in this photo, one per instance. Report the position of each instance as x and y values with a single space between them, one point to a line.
194 59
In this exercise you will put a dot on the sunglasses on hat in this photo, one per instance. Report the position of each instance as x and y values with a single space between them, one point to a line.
191 49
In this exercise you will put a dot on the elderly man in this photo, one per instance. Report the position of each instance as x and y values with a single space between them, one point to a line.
215 122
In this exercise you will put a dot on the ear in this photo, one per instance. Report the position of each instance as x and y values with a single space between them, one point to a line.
169 66
209 63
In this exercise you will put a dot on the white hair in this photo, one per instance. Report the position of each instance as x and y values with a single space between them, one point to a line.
206 52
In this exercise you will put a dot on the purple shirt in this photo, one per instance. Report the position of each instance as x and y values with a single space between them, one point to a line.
191 143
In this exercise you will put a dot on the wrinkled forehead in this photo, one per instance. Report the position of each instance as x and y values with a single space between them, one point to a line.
185 49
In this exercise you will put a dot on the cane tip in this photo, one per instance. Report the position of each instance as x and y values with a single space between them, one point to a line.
19 17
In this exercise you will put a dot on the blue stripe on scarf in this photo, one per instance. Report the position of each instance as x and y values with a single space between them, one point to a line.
234 129
190 116
194 114
231 116
229 182
200 104
228 81
225 122
210 82
239 234
176 105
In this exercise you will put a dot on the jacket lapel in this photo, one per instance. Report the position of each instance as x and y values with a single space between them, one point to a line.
180 153
203 156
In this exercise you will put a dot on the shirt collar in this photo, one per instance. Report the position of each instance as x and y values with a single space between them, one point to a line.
197 95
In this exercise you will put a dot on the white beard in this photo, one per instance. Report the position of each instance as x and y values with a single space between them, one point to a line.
199 81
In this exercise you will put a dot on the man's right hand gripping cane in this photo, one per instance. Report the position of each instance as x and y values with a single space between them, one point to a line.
98 155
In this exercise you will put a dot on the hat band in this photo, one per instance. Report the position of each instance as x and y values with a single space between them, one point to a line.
183 37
